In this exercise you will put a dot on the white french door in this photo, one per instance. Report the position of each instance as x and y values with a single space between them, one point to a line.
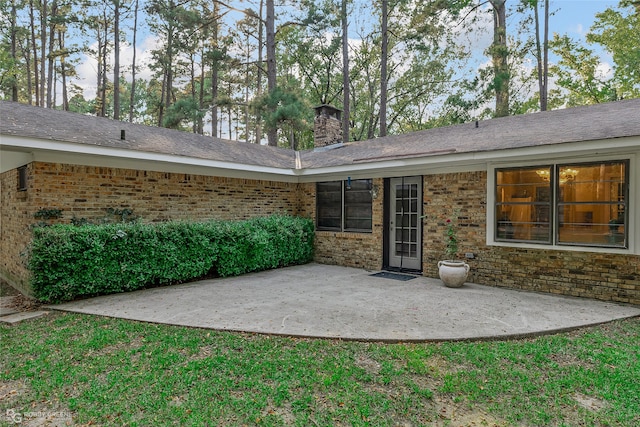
405 224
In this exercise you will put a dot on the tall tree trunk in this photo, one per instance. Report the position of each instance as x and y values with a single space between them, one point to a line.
63 72
203 65
103 83
116 61
192 72
272 134
384 56
26 51
100 89
246 93
34 46
230 113
162 95
214 72
545 55
54 88
169 70
542 54
259 73
133 63
169 62
499 54
345 73
43 54
51 57
14 51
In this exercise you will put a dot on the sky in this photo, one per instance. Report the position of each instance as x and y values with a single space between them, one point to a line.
574 17
571 17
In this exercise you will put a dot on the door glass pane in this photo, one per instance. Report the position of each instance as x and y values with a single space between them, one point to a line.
402 250
406 234
413 250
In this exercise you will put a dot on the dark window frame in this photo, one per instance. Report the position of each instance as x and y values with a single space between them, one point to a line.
355 198
543 209
23 184
624 202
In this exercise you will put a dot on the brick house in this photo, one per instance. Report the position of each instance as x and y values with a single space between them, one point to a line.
547 202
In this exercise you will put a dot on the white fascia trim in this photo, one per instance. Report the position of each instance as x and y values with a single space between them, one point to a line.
427 165
93 155
467 162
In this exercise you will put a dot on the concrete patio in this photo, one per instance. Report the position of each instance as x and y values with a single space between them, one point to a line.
326 301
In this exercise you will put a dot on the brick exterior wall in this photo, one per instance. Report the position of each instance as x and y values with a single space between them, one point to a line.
16 214
443 195
87 191
361 250
611 277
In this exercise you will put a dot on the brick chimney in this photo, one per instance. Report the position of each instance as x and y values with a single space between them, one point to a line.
327 126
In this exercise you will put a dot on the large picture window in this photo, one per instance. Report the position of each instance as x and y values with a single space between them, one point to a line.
344 205
581 204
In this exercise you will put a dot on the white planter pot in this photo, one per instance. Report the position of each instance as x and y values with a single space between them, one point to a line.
453 273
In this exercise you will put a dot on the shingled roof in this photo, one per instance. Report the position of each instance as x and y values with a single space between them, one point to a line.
599 122
44 123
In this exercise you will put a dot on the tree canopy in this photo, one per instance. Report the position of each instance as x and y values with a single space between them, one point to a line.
253 70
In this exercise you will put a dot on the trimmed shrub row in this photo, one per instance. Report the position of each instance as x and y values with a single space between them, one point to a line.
69 262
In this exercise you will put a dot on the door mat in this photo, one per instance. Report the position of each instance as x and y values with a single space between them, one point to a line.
394 276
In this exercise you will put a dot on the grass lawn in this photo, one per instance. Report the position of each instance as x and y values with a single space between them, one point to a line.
88 370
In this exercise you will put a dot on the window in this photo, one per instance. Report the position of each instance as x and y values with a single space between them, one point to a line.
592 204
329 205
344 205
523 204
580 204
22 178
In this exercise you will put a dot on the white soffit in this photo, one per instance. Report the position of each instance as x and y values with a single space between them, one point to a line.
471 161
16 151
93 155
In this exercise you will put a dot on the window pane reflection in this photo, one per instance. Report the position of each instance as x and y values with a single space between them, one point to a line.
592 204
523 204
587 200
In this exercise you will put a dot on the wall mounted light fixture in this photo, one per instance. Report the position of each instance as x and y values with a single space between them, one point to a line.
374 191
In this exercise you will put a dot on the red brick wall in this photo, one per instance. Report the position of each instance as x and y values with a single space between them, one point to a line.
612 277
16 213
86 192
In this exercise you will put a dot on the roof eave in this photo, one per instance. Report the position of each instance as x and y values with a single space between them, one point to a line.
469 161
95 155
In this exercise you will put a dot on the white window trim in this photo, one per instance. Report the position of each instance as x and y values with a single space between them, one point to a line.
633 204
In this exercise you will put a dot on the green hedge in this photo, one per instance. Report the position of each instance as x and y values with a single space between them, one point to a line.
68 262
